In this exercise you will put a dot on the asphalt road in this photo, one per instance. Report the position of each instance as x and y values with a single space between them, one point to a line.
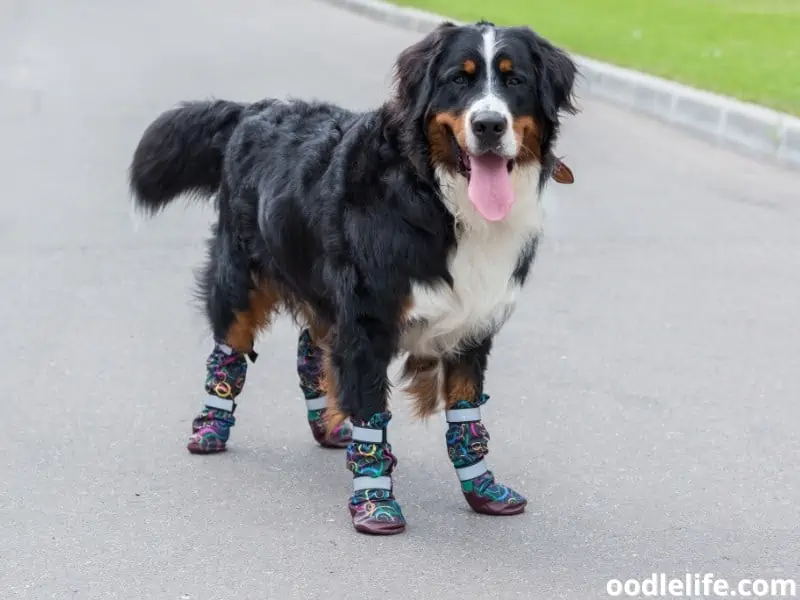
645 397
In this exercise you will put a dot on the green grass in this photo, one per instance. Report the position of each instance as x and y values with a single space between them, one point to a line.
748 49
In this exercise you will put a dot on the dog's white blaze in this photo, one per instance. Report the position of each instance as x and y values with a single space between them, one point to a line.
490 101
489 48
483 295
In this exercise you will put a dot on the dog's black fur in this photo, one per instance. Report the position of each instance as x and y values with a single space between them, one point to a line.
338 212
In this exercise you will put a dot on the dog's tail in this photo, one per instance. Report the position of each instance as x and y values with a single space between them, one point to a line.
181 152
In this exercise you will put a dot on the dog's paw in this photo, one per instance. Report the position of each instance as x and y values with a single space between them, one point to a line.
484 495
378 517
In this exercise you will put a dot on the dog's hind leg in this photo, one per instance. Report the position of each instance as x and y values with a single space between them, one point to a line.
237 307
310 359
423 376
467 439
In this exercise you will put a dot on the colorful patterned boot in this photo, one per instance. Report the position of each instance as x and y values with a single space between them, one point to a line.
309 369
226 373
369 456
467 444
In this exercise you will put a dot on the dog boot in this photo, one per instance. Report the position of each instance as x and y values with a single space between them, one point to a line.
309 370
226 373
467 444
369 456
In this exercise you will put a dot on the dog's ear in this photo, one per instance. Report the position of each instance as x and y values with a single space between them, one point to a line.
554 88
413 70
556 76
557 83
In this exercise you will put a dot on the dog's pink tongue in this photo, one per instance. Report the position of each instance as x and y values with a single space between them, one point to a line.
490 186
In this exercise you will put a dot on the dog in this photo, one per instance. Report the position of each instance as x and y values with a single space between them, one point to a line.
404 230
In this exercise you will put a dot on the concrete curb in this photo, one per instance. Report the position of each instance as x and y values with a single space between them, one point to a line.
747 128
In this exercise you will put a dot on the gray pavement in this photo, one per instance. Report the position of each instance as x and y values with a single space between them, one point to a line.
644 397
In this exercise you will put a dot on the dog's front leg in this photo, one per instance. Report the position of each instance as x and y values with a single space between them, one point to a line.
468 440
360 356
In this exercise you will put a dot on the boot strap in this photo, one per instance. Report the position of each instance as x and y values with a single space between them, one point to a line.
317 403
383 482
463 415
366 435
226 349
472 471
220 404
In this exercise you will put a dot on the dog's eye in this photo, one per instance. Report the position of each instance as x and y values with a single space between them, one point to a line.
460 79
512 80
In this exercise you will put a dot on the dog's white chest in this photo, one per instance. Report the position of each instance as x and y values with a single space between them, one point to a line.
443 318
482 297
480 300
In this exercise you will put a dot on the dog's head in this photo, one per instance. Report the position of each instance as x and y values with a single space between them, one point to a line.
479 101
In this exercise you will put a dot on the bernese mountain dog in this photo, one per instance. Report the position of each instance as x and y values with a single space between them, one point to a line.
407 230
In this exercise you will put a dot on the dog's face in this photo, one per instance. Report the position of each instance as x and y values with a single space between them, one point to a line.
487 100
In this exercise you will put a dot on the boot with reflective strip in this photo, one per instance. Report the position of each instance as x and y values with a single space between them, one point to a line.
369 456
225 378
467 445
309 370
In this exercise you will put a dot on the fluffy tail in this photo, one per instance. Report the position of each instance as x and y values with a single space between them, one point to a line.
182 152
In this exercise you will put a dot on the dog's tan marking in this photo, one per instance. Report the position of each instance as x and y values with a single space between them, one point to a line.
527 134
506 66
264 300
422 375
334 416
470 67
439 141
406 308
456 123
316 327
459 384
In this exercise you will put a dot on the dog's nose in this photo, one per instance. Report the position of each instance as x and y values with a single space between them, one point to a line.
488 126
